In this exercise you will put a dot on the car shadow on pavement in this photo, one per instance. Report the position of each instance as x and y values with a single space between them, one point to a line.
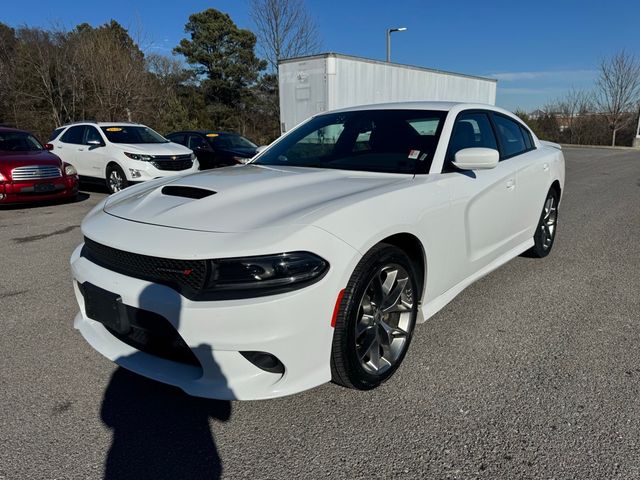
158 430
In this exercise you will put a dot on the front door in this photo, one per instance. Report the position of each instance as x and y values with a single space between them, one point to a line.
93 155
482 201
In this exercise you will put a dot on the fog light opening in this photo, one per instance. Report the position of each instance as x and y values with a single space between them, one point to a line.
135 173
265 361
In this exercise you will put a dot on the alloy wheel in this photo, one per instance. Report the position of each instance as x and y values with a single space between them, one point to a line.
548 223
384 319
116 182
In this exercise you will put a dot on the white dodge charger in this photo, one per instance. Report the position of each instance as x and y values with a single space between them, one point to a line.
315 261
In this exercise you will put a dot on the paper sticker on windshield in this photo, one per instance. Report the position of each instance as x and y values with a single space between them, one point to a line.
413 154
422 157
212 134
114 129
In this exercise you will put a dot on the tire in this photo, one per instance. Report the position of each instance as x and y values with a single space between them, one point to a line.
116 179
368 345
547 227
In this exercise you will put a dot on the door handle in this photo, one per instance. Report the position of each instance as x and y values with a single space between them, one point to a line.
545 167
511 184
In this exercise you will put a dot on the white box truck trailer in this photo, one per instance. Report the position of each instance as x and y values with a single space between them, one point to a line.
317 83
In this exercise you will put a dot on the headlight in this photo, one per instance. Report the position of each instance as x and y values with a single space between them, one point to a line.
139 156
70 170
193 156
263 275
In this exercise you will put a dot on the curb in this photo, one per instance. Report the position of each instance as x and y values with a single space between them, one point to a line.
608 147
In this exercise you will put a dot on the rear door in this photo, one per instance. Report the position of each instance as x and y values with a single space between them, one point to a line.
67 149
532 172
94 157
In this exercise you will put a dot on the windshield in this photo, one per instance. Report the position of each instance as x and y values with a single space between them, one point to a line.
131 134
231 141
394 141
19 142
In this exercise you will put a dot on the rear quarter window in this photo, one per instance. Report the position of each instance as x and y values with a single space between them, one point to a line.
56 133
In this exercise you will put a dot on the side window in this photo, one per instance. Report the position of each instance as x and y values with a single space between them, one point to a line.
92 134
196 141
471 130
73 135
511 136
177 138
528 141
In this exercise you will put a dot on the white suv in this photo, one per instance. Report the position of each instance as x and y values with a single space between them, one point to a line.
120 153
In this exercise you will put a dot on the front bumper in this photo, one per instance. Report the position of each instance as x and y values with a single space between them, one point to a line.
294 327
141 171
25 191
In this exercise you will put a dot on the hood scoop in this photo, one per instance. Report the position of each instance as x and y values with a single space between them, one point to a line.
186 192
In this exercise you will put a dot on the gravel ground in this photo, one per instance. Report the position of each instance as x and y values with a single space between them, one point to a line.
532 372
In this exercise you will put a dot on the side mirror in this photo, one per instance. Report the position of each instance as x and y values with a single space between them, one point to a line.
94 143
476 158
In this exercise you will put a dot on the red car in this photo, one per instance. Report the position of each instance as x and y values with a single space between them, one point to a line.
30 173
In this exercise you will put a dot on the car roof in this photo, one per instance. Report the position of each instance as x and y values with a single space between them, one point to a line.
103 124
204 132
10 129
438 106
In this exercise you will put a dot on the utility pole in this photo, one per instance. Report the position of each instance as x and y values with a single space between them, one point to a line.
389 32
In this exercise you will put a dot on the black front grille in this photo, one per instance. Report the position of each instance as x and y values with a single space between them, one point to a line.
175 163
185 276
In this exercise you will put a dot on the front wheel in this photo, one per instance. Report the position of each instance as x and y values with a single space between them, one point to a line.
116 179
375 320
545 233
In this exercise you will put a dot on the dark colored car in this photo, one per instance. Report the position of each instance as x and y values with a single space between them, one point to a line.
30 173
216 149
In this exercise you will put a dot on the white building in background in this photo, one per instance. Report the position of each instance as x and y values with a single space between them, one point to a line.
317 83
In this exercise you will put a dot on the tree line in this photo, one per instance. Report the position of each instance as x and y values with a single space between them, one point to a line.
50 77
608 114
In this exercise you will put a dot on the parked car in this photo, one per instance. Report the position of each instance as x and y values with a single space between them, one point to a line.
29 173
120 154
315 261
216 149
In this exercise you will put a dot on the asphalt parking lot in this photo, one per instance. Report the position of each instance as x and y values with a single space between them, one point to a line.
532 372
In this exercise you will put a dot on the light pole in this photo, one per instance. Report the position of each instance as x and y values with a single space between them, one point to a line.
389 32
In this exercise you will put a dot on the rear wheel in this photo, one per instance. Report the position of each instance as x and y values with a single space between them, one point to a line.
545 233
375 320
116 179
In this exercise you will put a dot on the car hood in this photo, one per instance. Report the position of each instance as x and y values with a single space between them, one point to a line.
247 197
10 160
239 151
169 148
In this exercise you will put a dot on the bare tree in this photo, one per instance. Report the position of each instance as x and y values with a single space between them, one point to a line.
618 90
573 104
284 29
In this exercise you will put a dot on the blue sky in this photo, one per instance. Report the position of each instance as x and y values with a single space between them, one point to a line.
537 50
